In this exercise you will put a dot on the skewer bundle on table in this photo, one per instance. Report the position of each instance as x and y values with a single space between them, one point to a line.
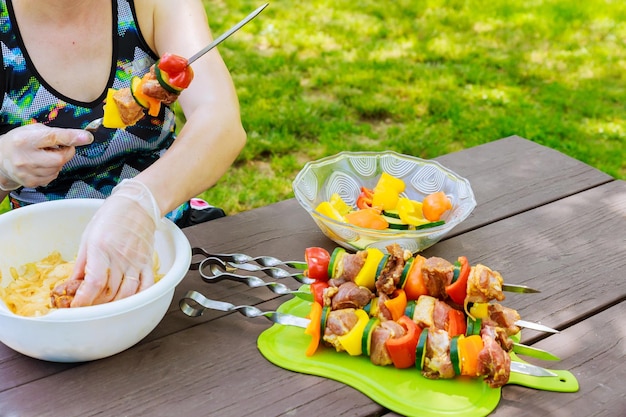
441 317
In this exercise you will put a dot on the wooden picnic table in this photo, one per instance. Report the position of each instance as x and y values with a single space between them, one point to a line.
543 219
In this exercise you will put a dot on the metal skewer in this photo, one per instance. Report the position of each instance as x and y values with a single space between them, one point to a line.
195 304
94 125
214 265
243 261
226 34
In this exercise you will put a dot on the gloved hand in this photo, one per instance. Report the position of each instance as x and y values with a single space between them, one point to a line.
115 258
33 155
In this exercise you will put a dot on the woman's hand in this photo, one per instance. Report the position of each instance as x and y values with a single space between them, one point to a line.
115 258
33 155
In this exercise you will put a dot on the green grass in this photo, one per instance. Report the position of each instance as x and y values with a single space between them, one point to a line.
419 77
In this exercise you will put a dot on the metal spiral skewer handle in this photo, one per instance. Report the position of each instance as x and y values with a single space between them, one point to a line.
242 258
195 304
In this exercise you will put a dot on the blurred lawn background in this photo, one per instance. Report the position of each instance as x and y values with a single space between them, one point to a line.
420 77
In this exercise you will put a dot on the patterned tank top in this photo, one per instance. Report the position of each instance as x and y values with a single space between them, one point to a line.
114 154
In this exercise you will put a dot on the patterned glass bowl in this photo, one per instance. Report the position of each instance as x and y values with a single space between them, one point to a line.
345 174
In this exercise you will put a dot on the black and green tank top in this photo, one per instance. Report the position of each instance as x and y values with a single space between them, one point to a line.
115 154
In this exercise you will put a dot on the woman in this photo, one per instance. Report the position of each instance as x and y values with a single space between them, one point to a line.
60 57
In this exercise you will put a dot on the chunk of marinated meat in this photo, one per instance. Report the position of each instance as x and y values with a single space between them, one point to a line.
383 311
437 363
503 317
424 311
503 339
387 281
130 111
152 88
351 265
484 285
350 295
328 294
493 362
440 315
338 323
378 351
63 294
437 274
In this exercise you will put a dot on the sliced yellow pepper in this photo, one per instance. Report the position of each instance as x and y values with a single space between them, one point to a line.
389 181
351 341
374 310
367 275
385 198
387 192
410 212
328 210
479 310
341 206
112 118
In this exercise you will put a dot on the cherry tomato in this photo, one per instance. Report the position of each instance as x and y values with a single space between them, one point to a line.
435 204
182 79
317 260
172 64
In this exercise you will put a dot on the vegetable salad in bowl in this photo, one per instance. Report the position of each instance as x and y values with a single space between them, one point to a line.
373 199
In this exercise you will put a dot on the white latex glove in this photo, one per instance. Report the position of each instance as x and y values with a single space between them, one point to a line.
115 258
33 155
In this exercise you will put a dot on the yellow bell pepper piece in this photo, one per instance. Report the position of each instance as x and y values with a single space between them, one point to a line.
410 212
112 118
479 310
341 206
389 181
351 341
328 210
367 275
385 198
374 310
387 192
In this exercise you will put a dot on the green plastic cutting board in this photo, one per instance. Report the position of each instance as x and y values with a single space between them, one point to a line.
403 391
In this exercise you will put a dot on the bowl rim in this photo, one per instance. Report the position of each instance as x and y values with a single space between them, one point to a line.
164 287
389 233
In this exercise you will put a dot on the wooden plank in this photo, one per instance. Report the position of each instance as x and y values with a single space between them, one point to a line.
594 351
572 250
492 168
209 369
513 175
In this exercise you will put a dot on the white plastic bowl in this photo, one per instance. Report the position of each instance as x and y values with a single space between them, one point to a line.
87 333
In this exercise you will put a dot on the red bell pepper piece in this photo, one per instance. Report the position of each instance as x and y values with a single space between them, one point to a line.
458 290
456 323
317 260
365 198
317 289
402 349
